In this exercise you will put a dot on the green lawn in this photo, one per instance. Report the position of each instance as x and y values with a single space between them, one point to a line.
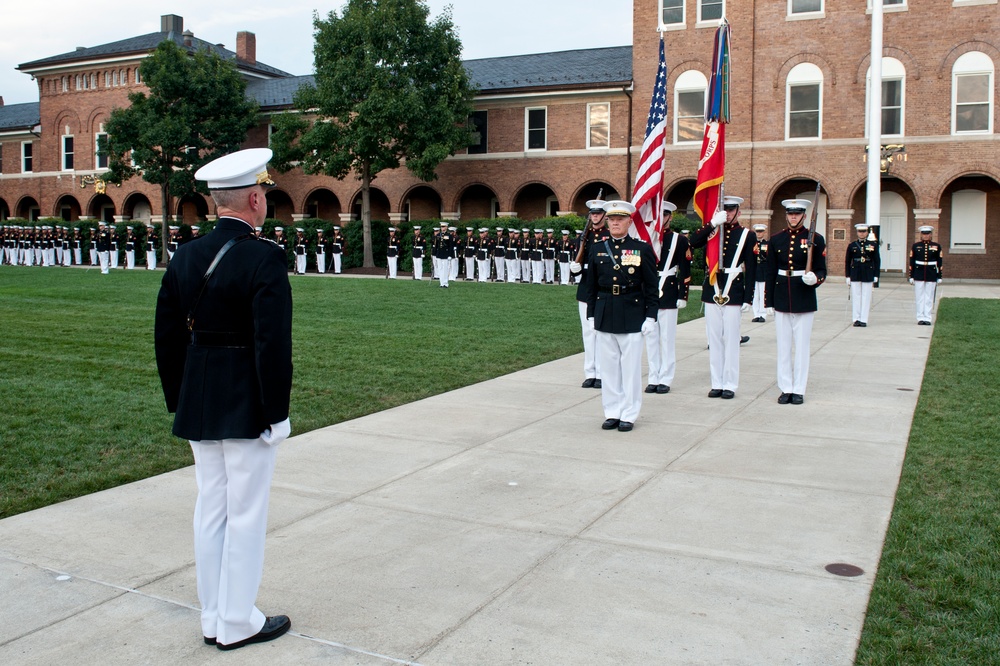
936 598
81 399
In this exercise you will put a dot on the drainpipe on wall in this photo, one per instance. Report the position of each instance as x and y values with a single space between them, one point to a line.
628 151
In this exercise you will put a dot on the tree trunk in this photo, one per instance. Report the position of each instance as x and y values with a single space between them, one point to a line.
165 226
366 213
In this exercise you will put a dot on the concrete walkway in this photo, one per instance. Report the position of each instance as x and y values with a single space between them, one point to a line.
499 524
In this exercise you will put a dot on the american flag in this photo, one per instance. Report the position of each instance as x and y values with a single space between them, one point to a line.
647 196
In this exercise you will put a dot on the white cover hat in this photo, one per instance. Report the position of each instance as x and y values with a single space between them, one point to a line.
668 207
618 208
244 168
796 205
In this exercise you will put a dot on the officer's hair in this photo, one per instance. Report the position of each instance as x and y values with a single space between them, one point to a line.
232 199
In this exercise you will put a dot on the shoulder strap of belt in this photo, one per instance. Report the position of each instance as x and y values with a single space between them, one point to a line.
208 274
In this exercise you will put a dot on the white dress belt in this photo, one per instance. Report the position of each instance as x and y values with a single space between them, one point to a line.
785 273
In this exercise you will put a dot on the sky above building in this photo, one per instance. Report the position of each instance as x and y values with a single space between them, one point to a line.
284 29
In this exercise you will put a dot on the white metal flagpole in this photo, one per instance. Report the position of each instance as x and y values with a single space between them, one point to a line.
873 208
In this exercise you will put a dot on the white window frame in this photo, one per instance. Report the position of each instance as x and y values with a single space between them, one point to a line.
63 154
892 70
803 74
527 128
688 82
710 22
968 220
974 63
899 6
27 157
484 136
672 26
590 106
97 157
813 14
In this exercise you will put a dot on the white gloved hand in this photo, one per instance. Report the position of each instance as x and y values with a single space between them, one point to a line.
848 280
719 218
876 280
809 278
277 433
911 280
649 326
590 323
940 280
770 312
575 268
745 307
681 303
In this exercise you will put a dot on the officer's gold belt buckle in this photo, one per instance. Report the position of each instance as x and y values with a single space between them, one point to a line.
615 290
720 299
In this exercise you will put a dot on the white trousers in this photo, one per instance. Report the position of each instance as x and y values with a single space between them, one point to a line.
444 271
337 259
230 525
150 260
550 270
320 262
661 348
130 259
393 263
500 264
452 266
113 258
861 300
924 293
591 364
104 261
93 257
484 269
67 258
758 300
78 256
513 270
300 264
563 273
620 357
536 272
792 330
525 270
418 268
470 268
722 323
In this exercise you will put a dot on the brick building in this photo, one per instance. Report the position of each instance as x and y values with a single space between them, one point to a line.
556 127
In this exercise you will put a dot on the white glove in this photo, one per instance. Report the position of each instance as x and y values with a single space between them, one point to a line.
590 323
770 312
809 278
876 280
681 303
719 218
575 267
848 282
911 280
745 307
940 280
277 433
649 326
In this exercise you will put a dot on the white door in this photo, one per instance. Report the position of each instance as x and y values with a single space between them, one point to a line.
893 229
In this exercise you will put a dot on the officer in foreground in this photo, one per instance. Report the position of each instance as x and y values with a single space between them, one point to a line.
622 303
223 342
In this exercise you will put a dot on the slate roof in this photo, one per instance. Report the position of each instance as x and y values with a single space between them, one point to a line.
19 116
145 44
277 92
581 68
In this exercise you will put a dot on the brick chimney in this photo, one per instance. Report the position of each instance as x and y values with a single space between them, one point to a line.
246 47
172 23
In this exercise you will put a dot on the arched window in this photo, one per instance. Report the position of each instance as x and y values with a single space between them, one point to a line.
893 96
804 102
972 94
689 106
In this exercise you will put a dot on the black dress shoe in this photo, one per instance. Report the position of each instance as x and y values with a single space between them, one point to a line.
715 393
857 324
662 388
273 627
784 398
624 426
610 424
863 324
650 388
209 641
797 399
588 383
745 339
597 383
757 320
728 395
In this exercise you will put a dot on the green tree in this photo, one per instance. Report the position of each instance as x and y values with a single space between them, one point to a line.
390 89
196 110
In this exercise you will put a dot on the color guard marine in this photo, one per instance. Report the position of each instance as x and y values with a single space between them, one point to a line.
861 266
674 282
596 233
760 274
926 263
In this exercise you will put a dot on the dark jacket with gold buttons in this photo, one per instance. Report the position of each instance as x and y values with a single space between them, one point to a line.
677 285
788 252
760 273
862 263
925 261
593 237
621 285
739 292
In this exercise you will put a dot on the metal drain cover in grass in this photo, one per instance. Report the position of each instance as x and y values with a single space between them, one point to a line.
841 569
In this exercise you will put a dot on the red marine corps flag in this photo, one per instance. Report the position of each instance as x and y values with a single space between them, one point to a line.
712 165
647 195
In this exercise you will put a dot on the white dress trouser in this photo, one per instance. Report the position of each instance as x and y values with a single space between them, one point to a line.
525 270
661 348
150 259
230 525
337 259
93 257
444 271
536 272
393 263
861 300
722 324
452 266
484 269
78 256
500 263
320 262
563 273
470 268
792 330
550 270
104 261
418 268
620 357
130 259
591 364
758 300
513 270
67 258
924 292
